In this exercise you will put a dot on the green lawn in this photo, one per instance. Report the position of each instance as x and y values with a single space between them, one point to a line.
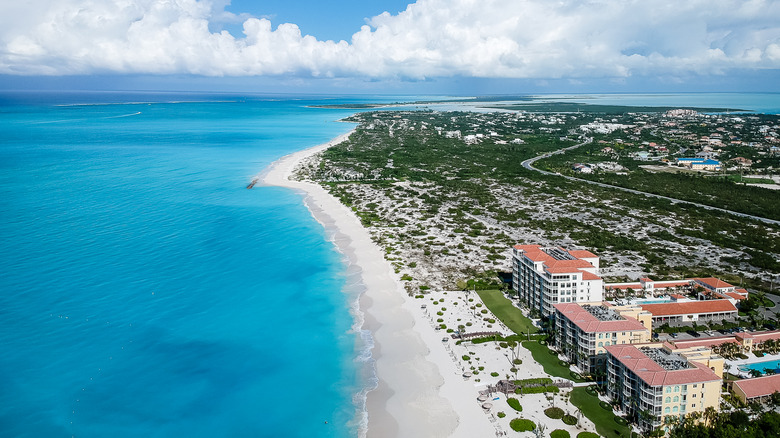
549 362
506 312
602 418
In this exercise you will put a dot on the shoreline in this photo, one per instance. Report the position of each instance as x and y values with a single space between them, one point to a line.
419 391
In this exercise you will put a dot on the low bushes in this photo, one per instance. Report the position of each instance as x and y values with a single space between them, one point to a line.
587 435
536 389
571 420
522 425
554 413
559 433
514 404
501 415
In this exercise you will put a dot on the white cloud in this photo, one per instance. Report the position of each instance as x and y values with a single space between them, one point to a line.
571 39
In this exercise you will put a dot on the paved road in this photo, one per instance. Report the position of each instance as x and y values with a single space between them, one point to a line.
528 165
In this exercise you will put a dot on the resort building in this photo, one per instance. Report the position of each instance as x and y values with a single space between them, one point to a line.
699 163
583 331
652 381
543 277
713 288
676 313
759 389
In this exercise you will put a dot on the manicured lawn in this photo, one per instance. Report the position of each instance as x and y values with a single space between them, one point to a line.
506 312
549 362
602 418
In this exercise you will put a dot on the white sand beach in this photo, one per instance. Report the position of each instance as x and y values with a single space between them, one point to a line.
422 391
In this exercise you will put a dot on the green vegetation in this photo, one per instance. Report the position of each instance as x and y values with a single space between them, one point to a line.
514 404
587 435
506 312
501 415
737 424
555 413
603 419
549 361
571 420
559 433
522 425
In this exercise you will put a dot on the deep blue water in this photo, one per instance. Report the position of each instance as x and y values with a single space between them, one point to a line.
145 291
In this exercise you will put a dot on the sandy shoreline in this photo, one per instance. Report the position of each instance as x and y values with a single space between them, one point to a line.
420 390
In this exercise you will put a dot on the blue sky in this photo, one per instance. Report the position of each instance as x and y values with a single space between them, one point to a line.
426 47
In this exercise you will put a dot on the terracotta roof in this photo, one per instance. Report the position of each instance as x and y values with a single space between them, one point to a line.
765 336
527 247
588 276
677 296
581 254
741 291
760 386
667 284
690 307
735 295
654 374
590 324
635 286
707 342
713 282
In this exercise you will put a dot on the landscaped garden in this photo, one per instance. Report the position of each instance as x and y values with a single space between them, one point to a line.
505 311
605 420
550 362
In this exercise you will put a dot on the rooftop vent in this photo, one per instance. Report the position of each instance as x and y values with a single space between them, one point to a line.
559 254
667 360
602 313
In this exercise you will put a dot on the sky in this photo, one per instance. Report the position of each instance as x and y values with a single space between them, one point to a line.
391 46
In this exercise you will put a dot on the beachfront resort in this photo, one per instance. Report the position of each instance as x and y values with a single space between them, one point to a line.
616 312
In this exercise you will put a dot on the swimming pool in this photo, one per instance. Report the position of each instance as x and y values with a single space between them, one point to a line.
761 366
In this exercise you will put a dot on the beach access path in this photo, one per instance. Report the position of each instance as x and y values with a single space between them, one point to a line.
420 392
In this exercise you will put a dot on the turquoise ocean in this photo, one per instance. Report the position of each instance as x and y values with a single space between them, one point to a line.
145 291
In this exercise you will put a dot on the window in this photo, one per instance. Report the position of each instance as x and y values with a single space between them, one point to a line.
668 389
677 388
666 410
675 409
601 344
601 335
676 399
695 385
685 387
694 395
693 405
668 400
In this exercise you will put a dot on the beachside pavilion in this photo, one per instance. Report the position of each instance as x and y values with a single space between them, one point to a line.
759 389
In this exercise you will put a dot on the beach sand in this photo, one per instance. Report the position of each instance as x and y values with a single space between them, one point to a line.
421 391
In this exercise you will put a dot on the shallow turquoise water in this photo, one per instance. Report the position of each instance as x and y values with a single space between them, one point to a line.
147 292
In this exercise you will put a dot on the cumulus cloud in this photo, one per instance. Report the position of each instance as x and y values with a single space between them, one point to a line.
570 39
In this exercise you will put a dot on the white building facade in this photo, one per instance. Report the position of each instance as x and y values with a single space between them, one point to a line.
543 277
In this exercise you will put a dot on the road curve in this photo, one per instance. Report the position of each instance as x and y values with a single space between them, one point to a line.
528 164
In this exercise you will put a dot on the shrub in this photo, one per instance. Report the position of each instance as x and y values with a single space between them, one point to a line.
621 421
563 363
483 311
494 374
559 433
514 404
522 425
554 413
466 357
503 344
517 361
571 420
501 415
439 320
605 405
587 435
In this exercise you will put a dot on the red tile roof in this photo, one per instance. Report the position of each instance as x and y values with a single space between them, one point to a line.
582 254
528 247
760 386
588 276
707 342
690 307
713 282
735 295
590 324
654 374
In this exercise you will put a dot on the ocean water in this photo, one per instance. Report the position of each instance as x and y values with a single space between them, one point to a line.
145 291
765 103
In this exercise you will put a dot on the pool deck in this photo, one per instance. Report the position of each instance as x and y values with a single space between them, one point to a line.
735 364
